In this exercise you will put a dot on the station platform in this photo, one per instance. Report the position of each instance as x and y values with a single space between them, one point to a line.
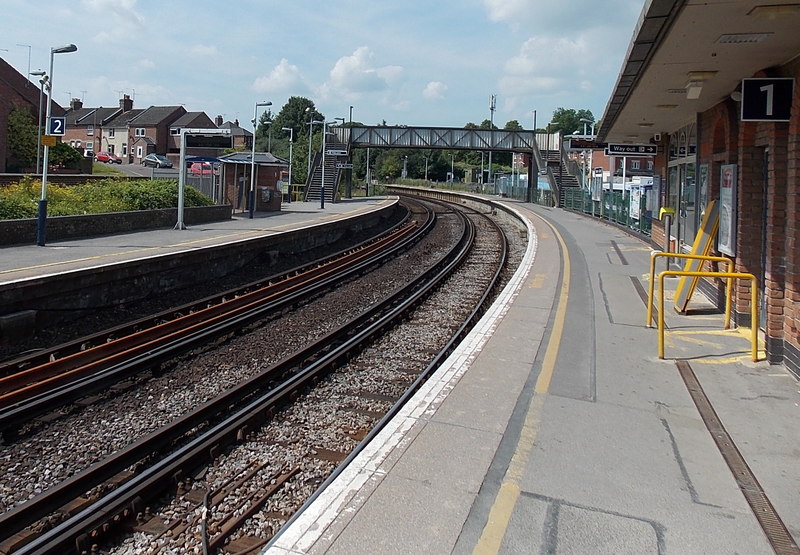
555 428
31 261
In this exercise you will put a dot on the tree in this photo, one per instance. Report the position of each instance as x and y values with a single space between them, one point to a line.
22 137
567 121
65 156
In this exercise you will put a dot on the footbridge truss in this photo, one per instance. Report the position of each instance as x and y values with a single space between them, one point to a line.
435 137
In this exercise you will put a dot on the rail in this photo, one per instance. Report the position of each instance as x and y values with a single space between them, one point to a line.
657 254
729 275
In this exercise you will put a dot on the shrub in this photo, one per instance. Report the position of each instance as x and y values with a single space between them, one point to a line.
110 195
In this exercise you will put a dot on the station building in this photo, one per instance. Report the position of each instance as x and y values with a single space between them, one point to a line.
714 86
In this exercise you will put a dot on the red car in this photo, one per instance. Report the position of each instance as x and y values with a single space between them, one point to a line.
201 168
108 158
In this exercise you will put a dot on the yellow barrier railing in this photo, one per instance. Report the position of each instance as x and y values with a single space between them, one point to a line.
656 254
724 275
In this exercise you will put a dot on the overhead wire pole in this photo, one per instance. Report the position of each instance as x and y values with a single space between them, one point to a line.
291 143
492 103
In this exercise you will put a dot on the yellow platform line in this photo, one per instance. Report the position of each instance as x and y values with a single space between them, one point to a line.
503 507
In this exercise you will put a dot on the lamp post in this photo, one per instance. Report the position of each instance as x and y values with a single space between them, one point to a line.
252 197
310 129
291 143
322 182
349 191
590 178
452 174
41 222
43 79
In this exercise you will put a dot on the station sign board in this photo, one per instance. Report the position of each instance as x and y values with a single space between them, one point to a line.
57 126
585 144
344 166
623 149
767 99
336 153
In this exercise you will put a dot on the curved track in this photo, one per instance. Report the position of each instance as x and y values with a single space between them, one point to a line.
232 415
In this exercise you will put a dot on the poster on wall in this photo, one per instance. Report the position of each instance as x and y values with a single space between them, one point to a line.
726 239
635 202
703 195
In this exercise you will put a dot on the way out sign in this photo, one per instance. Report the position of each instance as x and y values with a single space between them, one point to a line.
767 99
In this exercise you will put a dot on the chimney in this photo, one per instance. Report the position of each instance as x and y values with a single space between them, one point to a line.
236 122
125 103
75 104
218 121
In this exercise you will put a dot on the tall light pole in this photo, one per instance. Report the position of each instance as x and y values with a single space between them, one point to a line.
291 143
41 222
252 198
349 190
589 177
43 79
310 129
492 104
322 182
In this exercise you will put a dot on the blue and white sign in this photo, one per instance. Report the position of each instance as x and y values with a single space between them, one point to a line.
767 99
57 126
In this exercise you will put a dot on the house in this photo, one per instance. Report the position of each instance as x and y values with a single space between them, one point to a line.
17 92
84 126
115 132
241 138
149 131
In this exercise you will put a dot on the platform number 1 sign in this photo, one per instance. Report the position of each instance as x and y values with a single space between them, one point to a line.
767 99
57 126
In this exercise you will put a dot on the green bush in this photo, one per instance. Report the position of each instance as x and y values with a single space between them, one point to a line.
20 200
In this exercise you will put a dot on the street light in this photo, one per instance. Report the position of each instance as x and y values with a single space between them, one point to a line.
589 177
252 196
43 79
41 222
310 129
291 142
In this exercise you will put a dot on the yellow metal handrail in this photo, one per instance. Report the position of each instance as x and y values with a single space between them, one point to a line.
728 275
656 254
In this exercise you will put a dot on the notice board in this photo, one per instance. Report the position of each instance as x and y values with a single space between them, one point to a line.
702 245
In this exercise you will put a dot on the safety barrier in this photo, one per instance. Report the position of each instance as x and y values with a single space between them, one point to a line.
657 254
726 275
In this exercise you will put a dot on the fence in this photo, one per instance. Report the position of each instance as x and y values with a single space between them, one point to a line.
628 208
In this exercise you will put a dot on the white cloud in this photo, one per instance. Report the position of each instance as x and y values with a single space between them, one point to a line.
357 74
284 77
124 11
508 10
435 90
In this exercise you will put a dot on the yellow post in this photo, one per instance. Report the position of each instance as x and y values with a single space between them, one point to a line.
727 275
656 254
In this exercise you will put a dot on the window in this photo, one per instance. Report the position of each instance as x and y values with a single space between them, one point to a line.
635 164
110 133
174 131
650 165
139 132
124 149
90 129
138 152
89 145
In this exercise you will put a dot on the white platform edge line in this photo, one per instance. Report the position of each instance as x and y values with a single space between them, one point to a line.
313 523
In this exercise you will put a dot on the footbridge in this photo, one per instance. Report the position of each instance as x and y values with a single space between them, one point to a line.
343 140
452 138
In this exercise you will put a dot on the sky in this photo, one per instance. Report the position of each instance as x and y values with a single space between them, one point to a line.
416 62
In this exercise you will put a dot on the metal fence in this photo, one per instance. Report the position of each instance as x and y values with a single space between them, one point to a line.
627 208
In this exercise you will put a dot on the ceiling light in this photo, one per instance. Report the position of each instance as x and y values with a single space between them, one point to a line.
773 11
645 124
669 106
701 75
693 89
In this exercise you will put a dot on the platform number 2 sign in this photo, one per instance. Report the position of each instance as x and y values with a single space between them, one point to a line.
57 126
767 99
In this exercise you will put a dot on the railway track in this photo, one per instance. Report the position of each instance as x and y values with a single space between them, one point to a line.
229 418
33 385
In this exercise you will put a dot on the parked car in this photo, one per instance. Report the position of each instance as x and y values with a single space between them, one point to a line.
108 158
201 168
156 161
